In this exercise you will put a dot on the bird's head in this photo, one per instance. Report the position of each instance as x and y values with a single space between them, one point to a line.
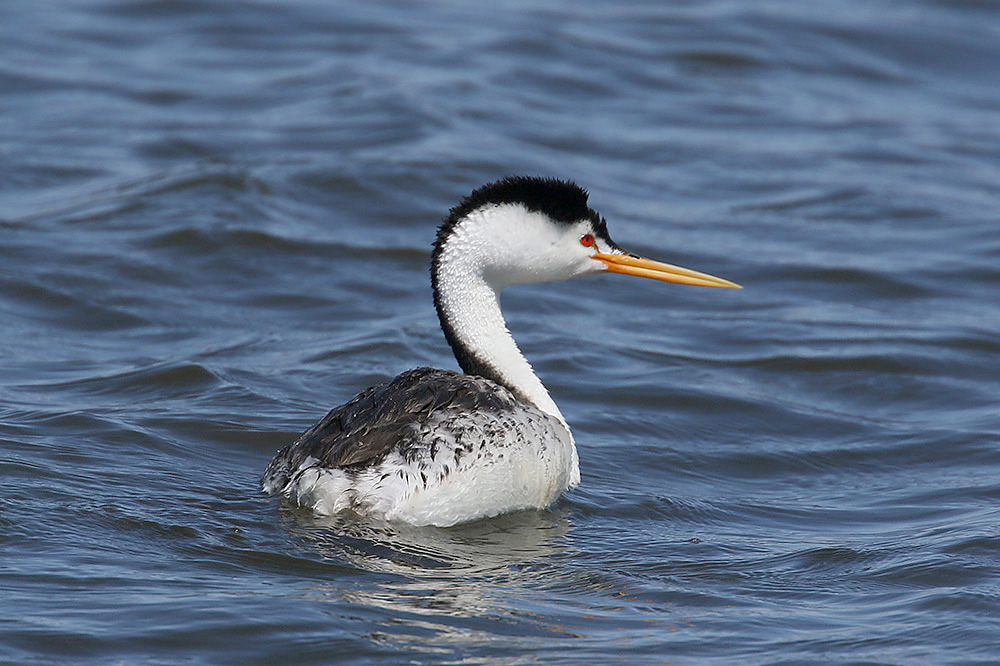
526 229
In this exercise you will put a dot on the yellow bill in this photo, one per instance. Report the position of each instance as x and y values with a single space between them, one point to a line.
628 264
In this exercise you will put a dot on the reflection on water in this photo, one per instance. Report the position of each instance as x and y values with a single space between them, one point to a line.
454 588
496 588
512 542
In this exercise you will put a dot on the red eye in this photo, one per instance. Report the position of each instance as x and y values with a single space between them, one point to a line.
587 240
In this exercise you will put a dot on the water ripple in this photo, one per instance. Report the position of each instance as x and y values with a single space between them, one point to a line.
216 224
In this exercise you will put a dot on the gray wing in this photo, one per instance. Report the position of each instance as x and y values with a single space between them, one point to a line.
362 430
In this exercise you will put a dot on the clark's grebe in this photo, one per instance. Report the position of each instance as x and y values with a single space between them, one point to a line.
437 447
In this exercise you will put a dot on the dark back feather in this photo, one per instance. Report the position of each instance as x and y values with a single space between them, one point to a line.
362 430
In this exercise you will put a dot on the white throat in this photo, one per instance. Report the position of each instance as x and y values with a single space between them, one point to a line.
472 307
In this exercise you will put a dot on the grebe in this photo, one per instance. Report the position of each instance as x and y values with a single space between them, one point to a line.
438 447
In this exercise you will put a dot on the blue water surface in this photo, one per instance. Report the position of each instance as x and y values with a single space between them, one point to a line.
215 224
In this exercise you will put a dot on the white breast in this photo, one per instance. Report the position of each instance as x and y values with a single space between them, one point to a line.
452 468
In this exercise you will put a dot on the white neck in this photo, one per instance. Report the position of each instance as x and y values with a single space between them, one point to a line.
472 308
489 249
472 267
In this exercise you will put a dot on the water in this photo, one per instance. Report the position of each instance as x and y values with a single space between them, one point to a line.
215 222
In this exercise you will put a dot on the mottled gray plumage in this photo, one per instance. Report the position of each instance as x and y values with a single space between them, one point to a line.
396 415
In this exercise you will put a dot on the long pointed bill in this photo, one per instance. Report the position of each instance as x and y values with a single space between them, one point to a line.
654 270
